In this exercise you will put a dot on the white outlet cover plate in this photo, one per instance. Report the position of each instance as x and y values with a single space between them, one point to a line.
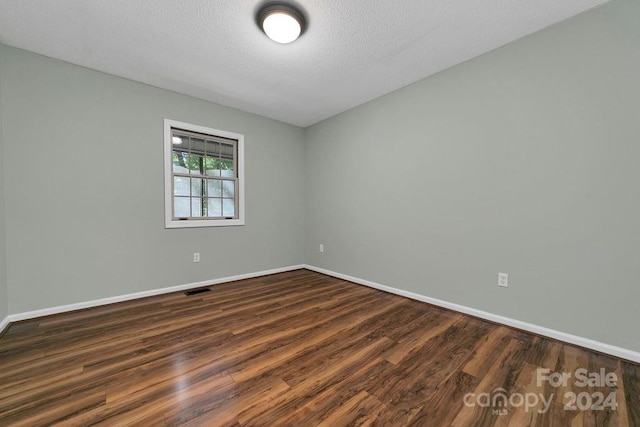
503 280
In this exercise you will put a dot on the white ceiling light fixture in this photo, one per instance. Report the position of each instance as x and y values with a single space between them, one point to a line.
281 22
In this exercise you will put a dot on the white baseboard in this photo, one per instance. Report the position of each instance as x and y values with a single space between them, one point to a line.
120 298
601 347
540 330
4 323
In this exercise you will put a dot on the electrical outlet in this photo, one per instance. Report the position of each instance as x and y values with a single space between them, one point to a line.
321 248
196 257
503 280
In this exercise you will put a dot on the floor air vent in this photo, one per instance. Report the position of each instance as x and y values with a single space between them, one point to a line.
197 291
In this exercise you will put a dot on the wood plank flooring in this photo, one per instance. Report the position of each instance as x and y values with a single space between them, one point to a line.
299 349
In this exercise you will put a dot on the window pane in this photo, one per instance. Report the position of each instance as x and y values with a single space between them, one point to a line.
180 186
196 187
228 207
181 207
194 164
228 188
178 141
226 167
212 167
213 207
214 188
227 151
180 162
213 149
196 207
196 145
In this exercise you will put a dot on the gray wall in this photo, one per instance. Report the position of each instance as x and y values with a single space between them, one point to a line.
4 297
103 235
524 160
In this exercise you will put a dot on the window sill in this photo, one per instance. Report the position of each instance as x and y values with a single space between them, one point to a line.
192 223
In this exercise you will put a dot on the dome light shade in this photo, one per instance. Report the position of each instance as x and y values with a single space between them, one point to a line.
281 23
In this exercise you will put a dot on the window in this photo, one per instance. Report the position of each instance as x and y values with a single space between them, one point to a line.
204 183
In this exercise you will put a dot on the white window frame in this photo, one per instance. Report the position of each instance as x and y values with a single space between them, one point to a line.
170 222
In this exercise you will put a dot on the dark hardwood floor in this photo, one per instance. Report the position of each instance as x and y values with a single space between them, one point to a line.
301 349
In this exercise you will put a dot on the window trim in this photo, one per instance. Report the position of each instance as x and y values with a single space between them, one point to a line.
168 177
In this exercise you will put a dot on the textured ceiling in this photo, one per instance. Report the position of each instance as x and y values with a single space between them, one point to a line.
353 51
